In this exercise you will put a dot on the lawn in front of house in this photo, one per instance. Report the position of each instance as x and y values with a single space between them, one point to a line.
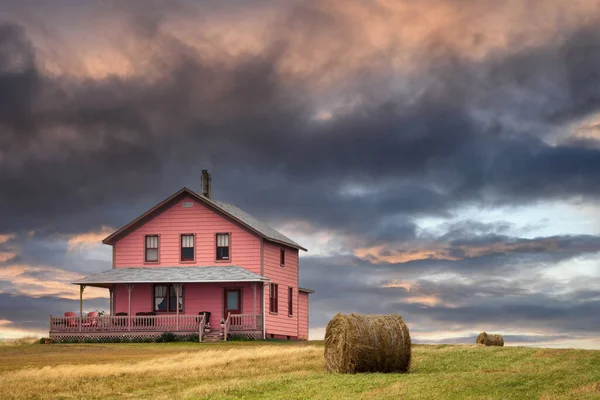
277 370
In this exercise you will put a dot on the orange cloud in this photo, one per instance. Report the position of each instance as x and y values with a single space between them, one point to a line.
6 256
38 281
385 254
89 238
415 294
420 250
6 237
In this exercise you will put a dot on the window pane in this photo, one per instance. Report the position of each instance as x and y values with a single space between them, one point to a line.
151 242
222 253
173 298
187 241
233 300
160 290
223 240
151 254
160 304
187 253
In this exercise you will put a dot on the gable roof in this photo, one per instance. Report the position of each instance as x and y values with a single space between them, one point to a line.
171 274
228 210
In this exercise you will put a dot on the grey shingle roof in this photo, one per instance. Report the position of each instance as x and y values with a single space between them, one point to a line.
172 274
249 220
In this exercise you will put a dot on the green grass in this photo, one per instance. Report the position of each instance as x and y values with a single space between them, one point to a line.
285 370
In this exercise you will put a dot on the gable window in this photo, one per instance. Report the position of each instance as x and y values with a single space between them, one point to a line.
165 298
273 298
223 246
282 257
290 301
151 251
187 247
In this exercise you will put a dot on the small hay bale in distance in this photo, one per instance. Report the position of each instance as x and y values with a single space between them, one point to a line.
367 343
490 339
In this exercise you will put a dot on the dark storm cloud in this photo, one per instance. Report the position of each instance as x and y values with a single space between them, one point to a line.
417 155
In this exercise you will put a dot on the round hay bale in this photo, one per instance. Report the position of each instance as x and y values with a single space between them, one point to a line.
490 339
367 343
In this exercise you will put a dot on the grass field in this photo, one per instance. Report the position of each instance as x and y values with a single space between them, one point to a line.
284 370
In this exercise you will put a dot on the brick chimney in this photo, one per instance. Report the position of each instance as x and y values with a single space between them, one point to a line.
205 183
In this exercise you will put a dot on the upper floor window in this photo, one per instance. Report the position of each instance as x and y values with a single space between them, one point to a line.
187 247
223 246
273 298
290 301
282 257
151 250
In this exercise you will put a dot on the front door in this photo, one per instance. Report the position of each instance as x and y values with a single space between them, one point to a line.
232 302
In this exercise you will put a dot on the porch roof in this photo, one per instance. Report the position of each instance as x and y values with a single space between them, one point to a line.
171 274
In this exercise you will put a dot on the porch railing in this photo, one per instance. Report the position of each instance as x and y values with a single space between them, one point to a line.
239 322
109 323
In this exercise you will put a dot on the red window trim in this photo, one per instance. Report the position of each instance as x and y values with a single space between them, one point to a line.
168 298
222 260
290 301
273 298
282 257
181 260
157 250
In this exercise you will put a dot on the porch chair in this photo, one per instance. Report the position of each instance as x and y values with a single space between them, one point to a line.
71 319
206 317
92 318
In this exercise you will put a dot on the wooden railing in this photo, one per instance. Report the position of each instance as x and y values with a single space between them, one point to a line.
240 322
162 323
109 323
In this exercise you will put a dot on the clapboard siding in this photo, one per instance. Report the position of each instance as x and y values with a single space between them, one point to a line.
199 220
303 315
287 276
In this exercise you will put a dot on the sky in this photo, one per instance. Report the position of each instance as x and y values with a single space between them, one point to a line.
439 159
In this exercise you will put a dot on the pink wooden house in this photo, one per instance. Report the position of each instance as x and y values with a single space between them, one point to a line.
192 264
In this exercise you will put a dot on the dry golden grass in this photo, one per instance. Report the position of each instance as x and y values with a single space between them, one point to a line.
20 341
287 370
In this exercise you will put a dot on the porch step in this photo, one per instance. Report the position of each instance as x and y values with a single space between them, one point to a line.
213 336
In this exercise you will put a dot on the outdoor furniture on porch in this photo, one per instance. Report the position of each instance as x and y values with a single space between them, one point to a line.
206 317
70 319
92 319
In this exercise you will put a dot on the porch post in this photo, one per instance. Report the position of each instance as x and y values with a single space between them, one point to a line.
254 305
129 287
177 293
264 327
81 289
110 300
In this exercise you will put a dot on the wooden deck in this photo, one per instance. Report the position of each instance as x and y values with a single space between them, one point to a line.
148 325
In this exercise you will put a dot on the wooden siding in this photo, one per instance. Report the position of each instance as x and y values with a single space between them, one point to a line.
287 276
199 220
303 316
196 297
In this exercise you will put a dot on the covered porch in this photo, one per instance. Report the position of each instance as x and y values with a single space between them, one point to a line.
211 301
